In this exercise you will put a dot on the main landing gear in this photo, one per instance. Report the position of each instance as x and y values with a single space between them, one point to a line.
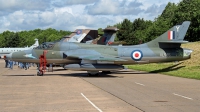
93 73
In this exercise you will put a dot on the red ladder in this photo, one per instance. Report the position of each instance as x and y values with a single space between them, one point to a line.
43 62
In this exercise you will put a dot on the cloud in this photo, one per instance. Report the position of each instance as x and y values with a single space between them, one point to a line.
21 20
59 18
18 15
62 3
15 5
149 3
155 9
111 7
104 7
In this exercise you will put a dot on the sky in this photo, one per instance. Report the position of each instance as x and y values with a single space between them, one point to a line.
20 15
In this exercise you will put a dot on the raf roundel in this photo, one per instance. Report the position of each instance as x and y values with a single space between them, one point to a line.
136 55
78 32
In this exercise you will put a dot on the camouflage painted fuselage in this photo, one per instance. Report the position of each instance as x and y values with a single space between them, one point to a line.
59 54
165 48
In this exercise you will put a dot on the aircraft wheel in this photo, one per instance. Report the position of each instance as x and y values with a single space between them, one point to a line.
97 74
106 72
40 73
93 73
90 75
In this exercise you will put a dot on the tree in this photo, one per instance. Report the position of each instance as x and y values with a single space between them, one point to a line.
100 31
8 39
125 29
189 10
139 30
26 38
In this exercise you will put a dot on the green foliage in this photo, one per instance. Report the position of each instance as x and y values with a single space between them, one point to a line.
100 31
124 33
141 31
24 38
133 32
189 10
9 39
169 69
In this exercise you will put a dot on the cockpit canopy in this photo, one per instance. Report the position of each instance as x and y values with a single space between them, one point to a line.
45 45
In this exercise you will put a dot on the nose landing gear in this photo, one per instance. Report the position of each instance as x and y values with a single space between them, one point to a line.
40 73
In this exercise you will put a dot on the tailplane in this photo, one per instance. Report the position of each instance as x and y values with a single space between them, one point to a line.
171 38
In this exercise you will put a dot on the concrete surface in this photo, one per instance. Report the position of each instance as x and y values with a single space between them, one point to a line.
123 91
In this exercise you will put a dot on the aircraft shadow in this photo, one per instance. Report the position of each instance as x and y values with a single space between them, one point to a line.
59 70
20 75
170 68
85 75
68 75
104 75
131 72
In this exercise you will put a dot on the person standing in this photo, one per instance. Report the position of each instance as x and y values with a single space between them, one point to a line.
11 64
15 63
6 63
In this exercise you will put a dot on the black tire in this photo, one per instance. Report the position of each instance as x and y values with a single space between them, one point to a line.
106 72
40 73
90 75
97 74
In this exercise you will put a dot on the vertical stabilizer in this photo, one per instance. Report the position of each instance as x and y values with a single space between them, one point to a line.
78 35
108 36
35 44
171 38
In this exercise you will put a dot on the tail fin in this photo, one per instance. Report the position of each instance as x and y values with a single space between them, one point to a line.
82 35
172 38
108 36
78 35
35 44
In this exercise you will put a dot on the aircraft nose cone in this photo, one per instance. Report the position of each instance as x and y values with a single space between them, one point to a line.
9 56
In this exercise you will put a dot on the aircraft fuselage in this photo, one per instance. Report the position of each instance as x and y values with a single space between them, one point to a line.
132 54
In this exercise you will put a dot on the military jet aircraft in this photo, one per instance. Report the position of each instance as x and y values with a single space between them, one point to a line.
94 58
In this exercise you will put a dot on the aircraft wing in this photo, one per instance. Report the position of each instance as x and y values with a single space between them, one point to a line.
93 55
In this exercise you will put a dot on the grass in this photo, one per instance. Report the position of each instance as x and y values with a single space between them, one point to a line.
188 69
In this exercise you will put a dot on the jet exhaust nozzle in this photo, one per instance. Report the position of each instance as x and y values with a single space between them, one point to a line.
187 52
